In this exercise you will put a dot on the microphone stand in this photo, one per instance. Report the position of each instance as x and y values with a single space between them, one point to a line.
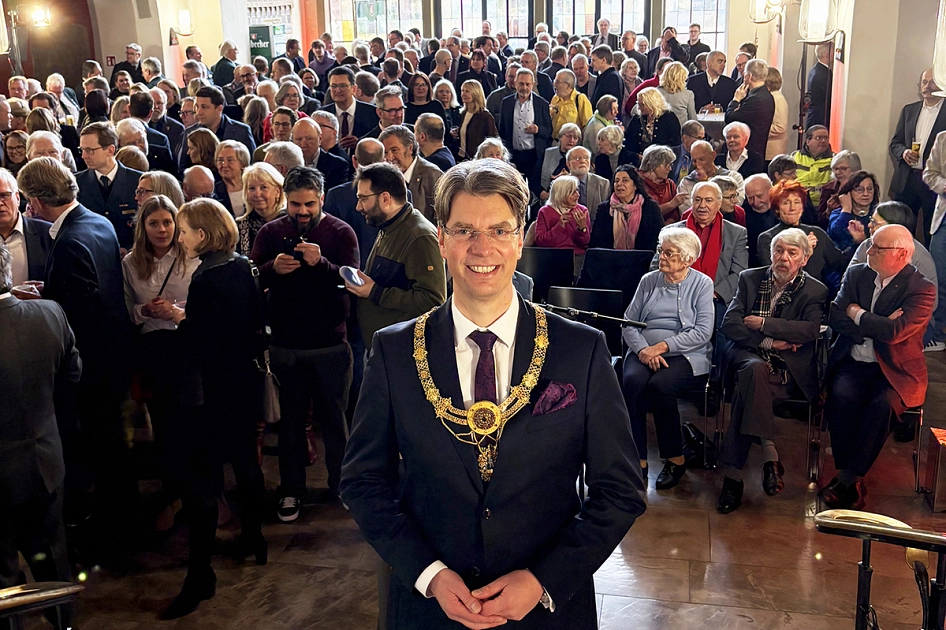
576 313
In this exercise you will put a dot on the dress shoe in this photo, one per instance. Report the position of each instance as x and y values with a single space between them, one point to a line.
731 496
772 477
670 475
840 496
194 592
257 548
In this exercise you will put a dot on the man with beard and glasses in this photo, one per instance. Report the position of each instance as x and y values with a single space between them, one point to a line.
405 272
773 323
299 256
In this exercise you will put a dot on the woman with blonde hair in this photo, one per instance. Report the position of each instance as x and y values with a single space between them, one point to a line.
630 75
195 84
606 113
120 109
221 333
673 87
264 199
650 126
154 183
778 132
255 112
201 148
563 222
476 123
231 158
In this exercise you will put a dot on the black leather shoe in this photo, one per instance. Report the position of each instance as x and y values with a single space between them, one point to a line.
670 475
731 496
194 592
839 496
772 477
257 548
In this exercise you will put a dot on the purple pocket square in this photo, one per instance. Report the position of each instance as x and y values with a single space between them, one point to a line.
556 397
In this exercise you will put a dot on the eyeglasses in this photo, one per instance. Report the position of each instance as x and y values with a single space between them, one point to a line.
391 111
226 161
89 151
360 198
339 86
883 249
6 196
17 149
663 253
864 191
493 235
820 138
282 124
732 197
142 191
247 75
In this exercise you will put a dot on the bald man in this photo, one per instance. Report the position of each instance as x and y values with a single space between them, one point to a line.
307 135
198 182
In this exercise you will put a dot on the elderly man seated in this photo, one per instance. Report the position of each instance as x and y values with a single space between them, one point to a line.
592 189
554 163
667 359
773 323
724 253
735 156
876 369
759 213
704 169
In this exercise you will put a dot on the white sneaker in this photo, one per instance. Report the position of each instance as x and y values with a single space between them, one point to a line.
288 509
934 346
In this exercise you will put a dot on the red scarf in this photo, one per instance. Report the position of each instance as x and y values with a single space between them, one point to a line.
711 240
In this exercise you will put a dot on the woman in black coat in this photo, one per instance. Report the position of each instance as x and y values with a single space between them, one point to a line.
654 124
221 328
628 207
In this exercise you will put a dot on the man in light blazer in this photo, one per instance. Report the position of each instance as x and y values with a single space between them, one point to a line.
592 189
25 237
490 528
421 176
38 359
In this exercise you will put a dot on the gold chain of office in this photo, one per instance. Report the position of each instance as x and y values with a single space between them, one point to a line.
484 419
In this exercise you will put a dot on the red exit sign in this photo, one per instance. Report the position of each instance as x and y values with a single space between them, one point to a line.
110 60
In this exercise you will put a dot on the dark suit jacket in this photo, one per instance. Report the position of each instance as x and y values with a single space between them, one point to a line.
553 69
424 64
825 259
39 352
756 110
721 93
223 72
230 129
666 132
84 275
693 51
755 163
529 515
799 322
540 107
120 208
677 53
366 118
481 126
38 244
486 78
608 82
898 343
904 136
614 42
463 64
134 71
160 154
544 86
333 168
174 131
818 88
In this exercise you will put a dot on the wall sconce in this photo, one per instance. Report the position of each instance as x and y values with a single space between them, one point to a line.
939 50
818 21
182 29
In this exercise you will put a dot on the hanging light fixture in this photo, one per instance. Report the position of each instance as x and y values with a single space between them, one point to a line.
818 20
939 50
762 11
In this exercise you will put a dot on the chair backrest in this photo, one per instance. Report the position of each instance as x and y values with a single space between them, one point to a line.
547 266
618 269
601 301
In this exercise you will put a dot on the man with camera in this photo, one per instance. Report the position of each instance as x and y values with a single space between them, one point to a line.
299 257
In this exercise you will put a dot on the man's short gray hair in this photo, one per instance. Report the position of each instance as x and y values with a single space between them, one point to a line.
543 45
567 76
6 269
327 117
792 237
845 155
130 126
656 155
41 135
684 240
152 65
285 154
361 51
757 69
574 150
714 186
404 135
741 126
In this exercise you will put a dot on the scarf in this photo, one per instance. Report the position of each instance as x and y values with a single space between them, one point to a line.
711 240
626 220
763 308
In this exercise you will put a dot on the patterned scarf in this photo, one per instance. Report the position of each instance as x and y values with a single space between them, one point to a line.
763 308
626 221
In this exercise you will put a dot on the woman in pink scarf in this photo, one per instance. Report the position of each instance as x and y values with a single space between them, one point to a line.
630 219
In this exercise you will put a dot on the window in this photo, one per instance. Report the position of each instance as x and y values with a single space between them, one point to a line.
579 17
508 16
366 19
709 14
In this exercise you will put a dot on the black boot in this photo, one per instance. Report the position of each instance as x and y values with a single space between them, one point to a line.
772 477
196 589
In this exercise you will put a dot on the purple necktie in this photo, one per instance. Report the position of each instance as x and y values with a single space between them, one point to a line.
485 387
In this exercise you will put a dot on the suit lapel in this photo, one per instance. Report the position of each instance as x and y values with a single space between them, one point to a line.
442 359
938 125
865 288
890 293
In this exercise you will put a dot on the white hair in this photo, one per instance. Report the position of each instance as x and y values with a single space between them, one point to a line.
793 237
741 126
683 239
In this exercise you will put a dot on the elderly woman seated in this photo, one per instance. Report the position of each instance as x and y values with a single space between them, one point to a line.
655 169
668 358
564 222
826 261
773 323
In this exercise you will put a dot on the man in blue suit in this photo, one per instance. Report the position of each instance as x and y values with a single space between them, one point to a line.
26 238
107 187
465 483
160 121
209 113
525 124
84 276
355 118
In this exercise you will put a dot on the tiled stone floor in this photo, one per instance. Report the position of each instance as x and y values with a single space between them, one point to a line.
682 565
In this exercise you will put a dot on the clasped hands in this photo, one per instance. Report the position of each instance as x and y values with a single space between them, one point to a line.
754 322
651 356
580 219
512 596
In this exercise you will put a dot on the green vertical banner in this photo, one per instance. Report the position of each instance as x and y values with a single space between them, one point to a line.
261 41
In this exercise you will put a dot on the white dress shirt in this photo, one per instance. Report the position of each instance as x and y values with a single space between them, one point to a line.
523 115
57 224
924 127
16 245
110 175
409 173
139 292
864 352
6 295
734 165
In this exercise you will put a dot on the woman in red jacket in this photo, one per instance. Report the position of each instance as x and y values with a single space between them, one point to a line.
564 222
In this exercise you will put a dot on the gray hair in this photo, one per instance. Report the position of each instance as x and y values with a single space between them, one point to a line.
561 188
844 155
757 69
656 155
134 47
525 71
194 66
6 269
630 61
726 184
285 154
328 117
152 65
571 128
684 240
710 184
612 134
567 76
489 143
575 149
543 45
42 135
741 126
129 127
361 51
404 135
793 237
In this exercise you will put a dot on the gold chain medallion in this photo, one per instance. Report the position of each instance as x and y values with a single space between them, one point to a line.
484 419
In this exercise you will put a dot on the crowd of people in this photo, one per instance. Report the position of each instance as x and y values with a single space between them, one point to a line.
187 239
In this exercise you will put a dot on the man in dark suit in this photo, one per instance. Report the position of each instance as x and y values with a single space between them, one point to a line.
819 86
753 104
876 369
735 154
160 155
426 63
401 150
26 238
712 87
131 65
525 124
355 118
760 216
307 135
694 47
608 81
292 54
161 122
669 47
108 187
39 358
770 365
507 521
629 48
604 36
341 201
209 113
459 65
919 124
493 62
84 276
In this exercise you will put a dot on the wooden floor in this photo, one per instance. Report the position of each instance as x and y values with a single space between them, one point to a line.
682 565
